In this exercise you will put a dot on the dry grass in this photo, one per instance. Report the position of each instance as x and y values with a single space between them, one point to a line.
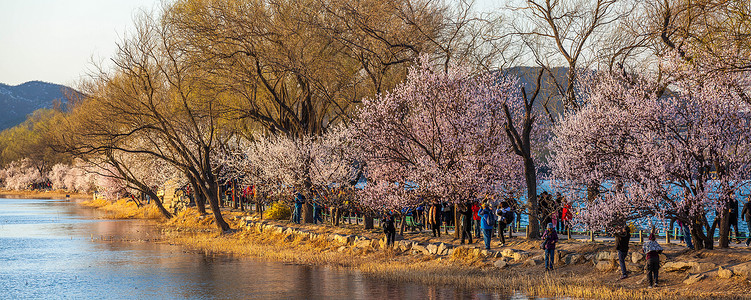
124 209
464 268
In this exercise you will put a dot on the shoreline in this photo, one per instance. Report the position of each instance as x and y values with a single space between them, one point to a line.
56 194
464 267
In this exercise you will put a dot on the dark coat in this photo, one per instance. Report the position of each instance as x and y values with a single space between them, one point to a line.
621 240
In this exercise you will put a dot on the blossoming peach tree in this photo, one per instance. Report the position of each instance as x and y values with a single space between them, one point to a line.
438 135
638 154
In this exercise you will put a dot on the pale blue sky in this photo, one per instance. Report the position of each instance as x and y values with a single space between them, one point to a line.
56 40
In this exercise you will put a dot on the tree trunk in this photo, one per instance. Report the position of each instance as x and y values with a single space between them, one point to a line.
307 211
725 229
159 204
530 175
213 194
235 199
404 224
198 196
457 216
368 221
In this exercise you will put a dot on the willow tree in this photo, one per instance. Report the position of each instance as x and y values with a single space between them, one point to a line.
154 102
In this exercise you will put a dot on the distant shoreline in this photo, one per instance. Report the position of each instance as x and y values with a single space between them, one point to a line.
58 195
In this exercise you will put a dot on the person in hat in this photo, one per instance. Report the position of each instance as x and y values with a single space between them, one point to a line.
550 237
652 251
486 222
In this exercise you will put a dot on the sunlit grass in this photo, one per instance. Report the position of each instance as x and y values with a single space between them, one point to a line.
464 268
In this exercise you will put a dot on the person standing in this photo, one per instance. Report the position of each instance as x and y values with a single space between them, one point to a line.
434 218
466 221
476 218
686 234
733 217
486 222
746 216
622 237
550 238
297 214
389 228
652 251
503 214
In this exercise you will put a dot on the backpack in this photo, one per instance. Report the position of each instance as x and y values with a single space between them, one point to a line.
509 217
492 219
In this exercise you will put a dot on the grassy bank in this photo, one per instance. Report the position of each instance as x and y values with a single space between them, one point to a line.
464 268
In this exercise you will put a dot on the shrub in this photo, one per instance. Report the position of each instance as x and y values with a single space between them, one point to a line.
278 211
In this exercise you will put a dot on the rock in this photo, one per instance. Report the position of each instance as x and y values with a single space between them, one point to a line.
432 248
500 264
344 239
724 273
678 266
604 255
405 245
341 249
573 259
486 253
701 267
694 279
363 243
636 257
631 267
520 255
508 252
443 249
450 252
417 248
605 265
532 262
743 270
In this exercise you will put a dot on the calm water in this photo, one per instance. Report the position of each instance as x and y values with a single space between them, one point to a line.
53 249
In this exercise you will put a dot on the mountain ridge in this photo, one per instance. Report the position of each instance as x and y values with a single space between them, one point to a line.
18 101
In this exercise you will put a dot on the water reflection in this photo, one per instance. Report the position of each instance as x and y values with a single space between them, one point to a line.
53 249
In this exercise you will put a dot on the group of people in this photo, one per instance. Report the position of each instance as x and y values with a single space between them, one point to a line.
554 210
651 250
486 220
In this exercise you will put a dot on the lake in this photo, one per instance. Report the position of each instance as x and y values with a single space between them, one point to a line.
53 249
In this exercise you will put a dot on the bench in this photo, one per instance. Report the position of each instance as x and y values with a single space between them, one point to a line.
411 224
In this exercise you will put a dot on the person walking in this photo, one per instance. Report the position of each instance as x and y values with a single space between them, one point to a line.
622 237
389 228
466 221
434 218
746 216
652 251
487 223
549 238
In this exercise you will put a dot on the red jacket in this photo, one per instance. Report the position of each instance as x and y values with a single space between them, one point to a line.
567 215
475 209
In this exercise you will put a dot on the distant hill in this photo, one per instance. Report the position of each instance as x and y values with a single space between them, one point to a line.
528 79
16 102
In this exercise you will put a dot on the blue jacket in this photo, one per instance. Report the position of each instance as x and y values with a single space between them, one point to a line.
485 214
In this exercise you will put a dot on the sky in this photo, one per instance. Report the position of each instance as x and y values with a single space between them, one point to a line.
57 40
